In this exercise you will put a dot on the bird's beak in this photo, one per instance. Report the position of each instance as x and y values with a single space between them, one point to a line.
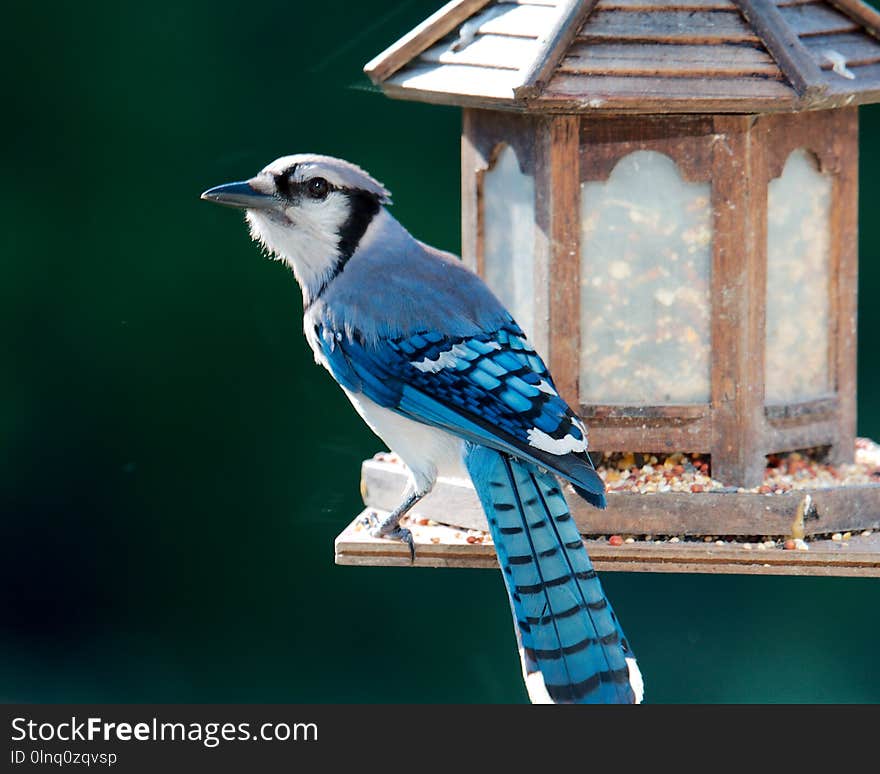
242 195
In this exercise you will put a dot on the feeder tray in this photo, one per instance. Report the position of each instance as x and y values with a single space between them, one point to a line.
671 531
444 546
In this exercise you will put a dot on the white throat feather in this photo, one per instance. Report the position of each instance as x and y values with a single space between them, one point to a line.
306 238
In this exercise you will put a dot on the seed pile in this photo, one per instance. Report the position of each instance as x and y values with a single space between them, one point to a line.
651 473
648 473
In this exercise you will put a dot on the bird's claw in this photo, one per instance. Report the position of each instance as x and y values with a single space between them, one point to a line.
405 536
380 530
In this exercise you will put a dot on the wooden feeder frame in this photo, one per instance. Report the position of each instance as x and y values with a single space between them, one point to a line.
569 121
739 155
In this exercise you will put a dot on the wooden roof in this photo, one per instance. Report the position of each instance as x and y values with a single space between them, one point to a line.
639 55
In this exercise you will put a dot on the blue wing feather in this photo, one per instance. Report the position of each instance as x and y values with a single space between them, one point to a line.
491 389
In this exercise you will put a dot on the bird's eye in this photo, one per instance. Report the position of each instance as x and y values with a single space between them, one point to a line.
318 188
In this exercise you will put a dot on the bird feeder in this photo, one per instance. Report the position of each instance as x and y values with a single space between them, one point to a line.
664 194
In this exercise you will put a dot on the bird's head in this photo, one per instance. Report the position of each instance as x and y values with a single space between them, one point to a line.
309 211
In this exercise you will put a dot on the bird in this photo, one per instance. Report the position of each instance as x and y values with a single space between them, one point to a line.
439 370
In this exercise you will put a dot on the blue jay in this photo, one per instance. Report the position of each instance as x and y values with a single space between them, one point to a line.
440 371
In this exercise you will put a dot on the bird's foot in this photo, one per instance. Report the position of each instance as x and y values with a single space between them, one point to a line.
389 529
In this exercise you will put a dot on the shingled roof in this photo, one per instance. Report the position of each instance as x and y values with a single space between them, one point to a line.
638 55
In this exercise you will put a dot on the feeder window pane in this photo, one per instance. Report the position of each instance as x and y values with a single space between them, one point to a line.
646 248
798 277
509 236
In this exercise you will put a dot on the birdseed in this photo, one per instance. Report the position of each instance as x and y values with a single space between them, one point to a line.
680 472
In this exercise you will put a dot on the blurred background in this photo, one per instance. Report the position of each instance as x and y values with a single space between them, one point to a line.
174 467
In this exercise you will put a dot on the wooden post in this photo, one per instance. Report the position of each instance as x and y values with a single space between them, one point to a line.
471 165
558 179
738 287
845 240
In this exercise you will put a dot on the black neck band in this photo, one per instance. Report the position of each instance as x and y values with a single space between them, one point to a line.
363 207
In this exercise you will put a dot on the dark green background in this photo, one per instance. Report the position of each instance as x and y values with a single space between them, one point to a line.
174 466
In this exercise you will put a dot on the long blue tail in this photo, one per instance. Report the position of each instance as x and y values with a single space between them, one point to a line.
572 647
